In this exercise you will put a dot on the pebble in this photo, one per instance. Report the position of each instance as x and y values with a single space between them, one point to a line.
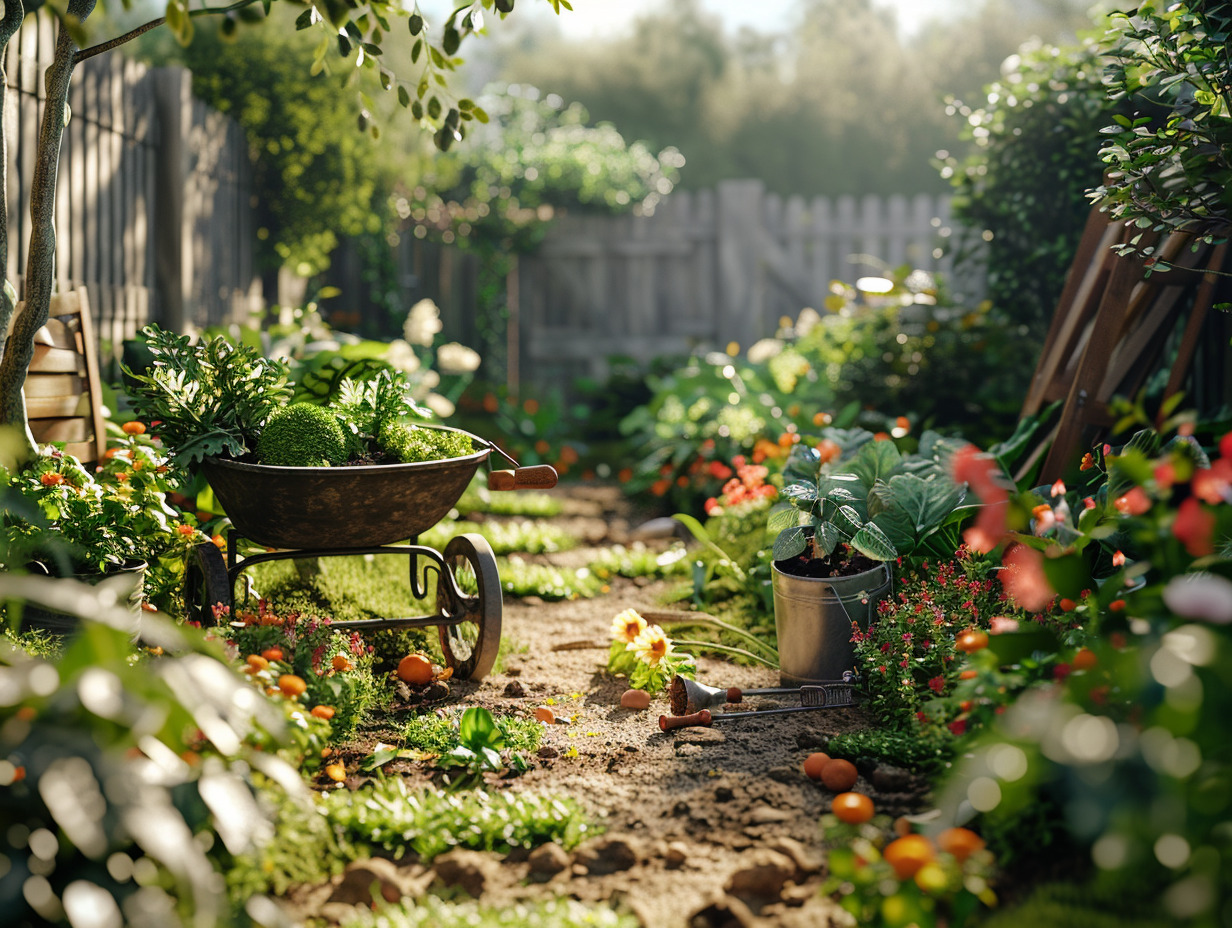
635 699
549 859
764 874
515 690
765 815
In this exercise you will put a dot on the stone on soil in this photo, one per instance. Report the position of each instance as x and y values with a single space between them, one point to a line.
548 860
763 875
609 855
471 870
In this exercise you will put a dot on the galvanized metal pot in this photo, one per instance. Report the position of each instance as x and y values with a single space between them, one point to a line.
813 617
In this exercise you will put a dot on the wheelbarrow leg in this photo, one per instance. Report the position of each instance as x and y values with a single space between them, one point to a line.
469 587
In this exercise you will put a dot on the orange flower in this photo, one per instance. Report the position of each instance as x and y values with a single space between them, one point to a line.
828 450
1088 461
51 480
1058 488
660 487
881 436
1133 503
1118 559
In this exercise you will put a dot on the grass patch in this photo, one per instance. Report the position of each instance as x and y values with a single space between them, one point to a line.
521 578
428 822
438 734
639 561
922 751
37 643
434 912
522 503
518 536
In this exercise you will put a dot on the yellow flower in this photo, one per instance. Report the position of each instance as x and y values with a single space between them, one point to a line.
652 645
627 626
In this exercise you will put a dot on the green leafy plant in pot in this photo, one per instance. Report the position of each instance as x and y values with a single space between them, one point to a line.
850 505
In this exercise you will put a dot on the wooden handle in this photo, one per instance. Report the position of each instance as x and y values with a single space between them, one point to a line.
537 477
734 694
696 720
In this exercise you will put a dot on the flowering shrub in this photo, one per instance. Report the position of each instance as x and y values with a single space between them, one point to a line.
1136 719
645 654
336 668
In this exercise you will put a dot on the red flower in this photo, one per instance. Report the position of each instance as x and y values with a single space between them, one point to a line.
1118 559
1061 671
1214 484
958 727
1194 527
1088 503
1058 488
51 480
1133 503
1165 476
1088 461
937 684
1117 605
1225 446
711 505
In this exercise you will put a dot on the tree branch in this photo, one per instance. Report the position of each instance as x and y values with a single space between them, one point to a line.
14 13
127 37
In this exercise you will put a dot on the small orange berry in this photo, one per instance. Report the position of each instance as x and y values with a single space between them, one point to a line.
272 654
133 428
908 854
1085 659
852 808
219 541
51 480
256 660
323 712
341 662
186 530
961 842
971 640
336 772
291 686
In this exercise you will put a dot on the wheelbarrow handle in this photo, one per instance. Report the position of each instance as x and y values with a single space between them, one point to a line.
535 477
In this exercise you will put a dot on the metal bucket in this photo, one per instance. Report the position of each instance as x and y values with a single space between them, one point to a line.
813 618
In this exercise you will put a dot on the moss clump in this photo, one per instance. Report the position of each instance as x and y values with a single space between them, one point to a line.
407 444
302 435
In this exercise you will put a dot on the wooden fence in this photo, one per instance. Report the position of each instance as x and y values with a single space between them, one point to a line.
153 211
706 269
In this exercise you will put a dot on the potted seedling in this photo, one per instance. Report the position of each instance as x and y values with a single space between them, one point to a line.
840 523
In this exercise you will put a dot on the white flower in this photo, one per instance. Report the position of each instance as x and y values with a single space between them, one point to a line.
764 350
453 358
627 626
652 645
1200 596
422 323
807 319
439 405
402 356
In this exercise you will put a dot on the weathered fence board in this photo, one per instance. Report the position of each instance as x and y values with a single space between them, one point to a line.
153 214
706 269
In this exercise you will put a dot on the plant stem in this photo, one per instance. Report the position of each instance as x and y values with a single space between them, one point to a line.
711 646
127 37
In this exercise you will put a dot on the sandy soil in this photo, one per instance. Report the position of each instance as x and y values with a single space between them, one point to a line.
703 827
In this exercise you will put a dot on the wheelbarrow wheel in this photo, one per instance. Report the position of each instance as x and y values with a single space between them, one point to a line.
207 588
470 646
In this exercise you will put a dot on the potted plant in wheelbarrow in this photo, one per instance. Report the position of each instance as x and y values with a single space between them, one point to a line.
353 472
844 517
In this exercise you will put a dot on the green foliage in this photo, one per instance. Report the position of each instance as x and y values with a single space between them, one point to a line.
337 668
1020 193
1082 905
212 398
525 503
102 761
409 444
928 751
434 733
302 435
400 819
472 740
1170 159
431 912
877 501
73 520
506 537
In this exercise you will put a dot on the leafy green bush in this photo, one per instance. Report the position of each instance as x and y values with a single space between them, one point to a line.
1020 195
302 435
438 734
928 751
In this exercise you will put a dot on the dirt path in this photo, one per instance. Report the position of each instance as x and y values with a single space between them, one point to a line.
706 827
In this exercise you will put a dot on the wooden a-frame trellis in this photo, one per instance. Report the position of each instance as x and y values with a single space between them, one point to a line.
1118 322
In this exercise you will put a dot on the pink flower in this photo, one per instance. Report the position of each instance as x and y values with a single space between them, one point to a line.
1118 559
937 684
1214 484
1024 580
1001 624
1133 503
1058 488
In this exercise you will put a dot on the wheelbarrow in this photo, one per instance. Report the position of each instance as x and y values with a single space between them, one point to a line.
313 512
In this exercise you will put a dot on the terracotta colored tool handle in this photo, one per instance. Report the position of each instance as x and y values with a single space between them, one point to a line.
696 720
537 477
734 694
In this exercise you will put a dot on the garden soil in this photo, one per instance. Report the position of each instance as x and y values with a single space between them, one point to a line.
701 827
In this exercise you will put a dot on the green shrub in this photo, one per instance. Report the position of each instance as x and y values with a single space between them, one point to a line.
302 435
438 734
927 752
409 444
430 912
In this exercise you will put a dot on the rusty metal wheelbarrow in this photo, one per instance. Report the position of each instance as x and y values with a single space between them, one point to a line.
311 512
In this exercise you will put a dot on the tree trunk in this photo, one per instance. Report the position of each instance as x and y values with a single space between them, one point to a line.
10 22
41 266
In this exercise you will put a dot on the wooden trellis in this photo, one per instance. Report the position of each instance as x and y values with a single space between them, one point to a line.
1118 322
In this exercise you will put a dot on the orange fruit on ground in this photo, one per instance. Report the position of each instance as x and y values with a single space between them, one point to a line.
908 854
291 686
336 772
813 765
852 808
257 661
323 712
415 669
839 775
272 654
1085 659
342 662
133 428
544 714
961 842
971 640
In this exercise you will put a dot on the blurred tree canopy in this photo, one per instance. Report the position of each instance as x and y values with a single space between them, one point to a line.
835 102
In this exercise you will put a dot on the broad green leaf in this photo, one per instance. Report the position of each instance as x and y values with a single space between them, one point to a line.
873 542
828 538
847 520
1069 575
782 515
790 543
875 461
